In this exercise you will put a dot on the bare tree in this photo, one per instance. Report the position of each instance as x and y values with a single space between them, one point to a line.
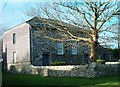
90 18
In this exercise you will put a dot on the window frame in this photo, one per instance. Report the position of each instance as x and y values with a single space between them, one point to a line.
60 48
74 50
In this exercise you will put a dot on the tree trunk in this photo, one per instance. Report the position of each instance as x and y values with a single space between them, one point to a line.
93 52
93 47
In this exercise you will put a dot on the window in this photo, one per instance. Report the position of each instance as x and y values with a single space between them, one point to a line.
104 56
110 57
60 48
14 38
99 57
14 57
74 48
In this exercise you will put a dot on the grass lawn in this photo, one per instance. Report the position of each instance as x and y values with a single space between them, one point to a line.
25 80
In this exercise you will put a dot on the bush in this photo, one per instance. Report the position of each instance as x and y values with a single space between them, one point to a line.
57 63
116 53
101 61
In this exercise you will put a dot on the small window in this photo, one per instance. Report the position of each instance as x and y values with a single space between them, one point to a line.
14 57
14 38
104 56
60 48
99 57
74 48
110 57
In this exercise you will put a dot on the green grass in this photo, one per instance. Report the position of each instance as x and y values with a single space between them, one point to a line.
22 79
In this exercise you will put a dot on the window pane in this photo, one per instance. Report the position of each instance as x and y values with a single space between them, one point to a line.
60 48
99 57
59 45
74 48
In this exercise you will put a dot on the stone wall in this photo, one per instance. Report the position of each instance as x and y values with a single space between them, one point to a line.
83 70
93 70
70 59
40 45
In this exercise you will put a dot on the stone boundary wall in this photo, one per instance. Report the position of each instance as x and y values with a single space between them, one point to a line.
93 70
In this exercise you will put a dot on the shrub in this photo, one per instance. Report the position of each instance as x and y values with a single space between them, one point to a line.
101 61
57 63
116 53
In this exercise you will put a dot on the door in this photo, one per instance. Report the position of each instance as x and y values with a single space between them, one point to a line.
104 56
45 58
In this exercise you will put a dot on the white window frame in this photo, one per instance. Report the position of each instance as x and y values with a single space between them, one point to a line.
60 49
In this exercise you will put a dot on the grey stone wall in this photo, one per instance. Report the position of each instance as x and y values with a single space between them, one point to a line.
40 45
86 71
69 59
69 71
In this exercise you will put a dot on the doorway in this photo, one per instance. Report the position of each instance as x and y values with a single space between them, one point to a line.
45 58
